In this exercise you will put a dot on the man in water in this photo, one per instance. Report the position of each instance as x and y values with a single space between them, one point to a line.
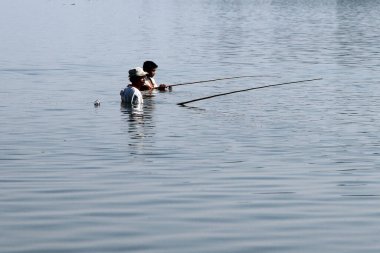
131 95
150 68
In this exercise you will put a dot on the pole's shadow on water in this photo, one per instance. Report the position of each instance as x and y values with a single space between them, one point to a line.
192 108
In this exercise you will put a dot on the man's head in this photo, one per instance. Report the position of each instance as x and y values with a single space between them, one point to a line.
150 67
137 76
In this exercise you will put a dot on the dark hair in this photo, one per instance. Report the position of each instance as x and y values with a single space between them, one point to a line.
149 65
134 78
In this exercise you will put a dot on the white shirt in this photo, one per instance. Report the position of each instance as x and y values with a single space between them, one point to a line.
131 96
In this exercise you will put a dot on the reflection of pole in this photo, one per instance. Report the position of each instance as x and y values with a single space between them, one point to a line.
255 88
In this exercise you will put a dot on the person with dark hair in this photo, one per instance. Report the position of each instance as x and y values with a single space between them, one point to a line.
150 68
131 95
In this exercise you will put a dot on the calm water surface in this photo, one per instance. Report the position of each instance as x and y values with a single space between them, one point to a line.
285 169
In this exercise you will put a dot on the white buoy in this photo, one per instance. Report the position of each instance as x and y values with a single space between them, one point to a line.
97 102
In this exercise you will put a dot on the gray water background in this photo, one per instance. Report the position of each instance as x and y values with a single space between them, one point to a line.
291 168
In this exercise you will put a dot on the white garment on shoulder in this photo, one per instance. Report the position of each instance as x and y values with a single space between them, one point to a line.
147 82
132 96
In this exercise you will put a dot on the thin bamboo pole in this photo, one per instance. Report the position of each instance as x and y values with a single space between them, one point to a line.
254 88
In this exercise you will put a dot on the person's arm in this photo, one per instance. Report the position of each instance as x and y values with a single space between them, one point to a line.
148 85
162 87
135 100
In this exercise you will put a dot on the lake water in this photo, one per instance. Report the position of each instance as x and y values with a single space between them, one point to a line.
293 168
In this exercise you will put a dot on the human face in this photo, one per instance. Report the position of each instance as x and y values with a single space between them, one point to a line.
151 72
141 80
138 81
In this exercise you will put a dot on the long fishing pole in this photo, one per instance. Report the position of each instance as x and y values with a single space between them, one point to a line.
255 88
206 81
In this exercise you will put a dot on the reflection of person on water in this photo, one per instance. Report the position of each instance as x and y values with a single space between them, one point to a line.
139 121
150 68
131 95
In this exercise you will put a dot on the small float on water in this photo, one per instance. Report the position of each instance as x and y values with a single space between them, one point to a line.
97 103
